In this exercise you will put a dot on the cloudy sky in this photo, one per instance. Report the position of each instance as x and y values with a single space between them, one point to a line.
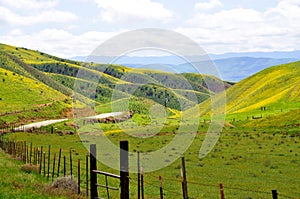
70 28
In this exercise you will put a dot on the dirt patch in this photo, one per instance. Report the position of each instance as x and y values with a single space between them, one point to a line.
42 105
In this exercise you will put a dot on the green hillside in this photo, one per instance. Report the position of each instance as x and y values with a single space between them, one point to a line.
23 98
36 85
278 86
270 98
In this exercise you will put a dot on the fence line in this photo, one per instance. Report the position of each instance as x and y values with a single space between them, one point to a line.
29 154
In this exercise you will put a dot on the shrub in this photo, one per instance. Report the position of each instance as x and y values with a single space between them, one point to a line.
28 168
66 183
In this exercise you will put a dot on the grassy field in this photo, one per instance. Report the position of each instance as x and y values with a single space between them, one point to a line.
258 150
249 164
17 184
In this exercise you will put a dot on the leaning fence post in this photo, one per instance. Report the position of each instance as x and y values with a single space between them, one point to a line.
160 188
222 191
93 166
124 174
274 194
184 183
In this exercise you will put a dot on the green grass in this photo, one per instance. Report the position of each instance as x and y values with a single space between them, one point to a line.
250 161
252 157
15 183
149 84
273 94
25 99
278 84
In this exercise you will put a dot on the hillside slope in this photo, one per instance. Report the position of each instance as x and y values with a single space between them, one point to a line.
99 81
23 98
270 98
278 86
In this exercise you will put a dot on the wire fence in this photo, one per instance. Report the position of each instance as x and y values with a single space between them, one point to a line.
54 164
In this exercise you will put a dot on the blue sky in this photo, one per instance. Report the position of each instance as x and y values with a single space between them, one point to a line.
75 27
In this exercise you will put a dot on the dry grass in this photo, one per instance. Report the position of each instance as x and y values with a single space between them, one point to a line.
65 183
28 168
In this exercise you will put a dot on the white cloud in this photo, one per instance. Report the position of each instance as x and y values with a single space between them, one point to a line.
58 42
12 18
32 12
132 10
29 4
208 5
239 29
226 18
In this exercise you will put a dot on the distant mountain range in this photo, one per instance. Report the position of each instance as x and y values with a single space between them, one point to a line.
231 66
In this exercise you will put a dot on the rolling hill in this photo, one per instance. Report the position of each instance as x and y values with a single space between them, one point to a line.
263 99
35 79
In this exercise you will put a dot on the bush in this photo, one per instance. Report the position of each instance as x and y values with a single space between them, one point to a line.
66 183
28 168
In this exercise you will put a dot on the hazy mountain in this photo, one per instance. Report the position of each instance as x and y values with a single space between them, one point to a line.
231 66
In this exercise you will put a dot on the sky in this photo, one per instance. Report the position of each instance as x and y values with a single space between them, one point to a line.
69 28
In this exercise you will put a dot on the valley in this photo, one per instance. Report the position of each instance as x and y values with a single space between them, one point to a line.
257 151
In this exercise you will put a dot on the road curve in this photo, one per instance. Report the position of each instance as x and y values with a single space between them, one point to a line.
28 127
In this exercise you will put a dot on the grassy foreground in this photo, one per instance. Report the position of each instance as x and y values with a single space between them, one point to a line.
249 164
15 183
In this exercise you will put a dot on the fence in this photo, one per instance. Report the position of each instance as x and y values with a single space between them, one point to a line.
49 164
52 166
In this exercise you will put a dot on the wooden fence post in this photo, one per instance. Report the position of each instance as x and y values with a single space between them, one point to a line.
87 174
30 153
78 178
274 194
34 156
44 159
222 191
41 157
161 188
58 165
142 183
27 155
107 189
64 165
184 182
139 175
71 168
48 162
124 173
25 152
93 166
53 167
37 155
